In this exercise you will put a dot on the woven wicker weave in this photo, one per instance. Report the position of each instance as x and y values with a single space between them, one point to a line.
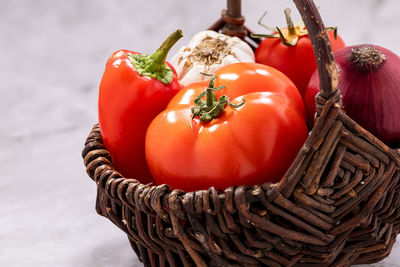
337 205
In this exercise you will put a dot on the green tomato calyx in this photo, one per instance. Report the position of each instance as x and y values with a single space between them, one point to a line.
289 35
211 108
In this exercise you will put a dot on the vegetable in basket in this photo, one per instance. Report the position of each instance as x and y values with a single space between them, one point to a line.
245 129
290 51
133 90
369 82
207 52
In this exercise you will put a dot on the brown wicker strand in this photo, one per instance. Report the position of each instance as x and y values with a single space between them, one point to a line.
327 69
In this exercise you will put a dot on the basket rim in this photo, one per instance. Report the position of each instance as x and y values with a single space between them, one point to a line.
392 153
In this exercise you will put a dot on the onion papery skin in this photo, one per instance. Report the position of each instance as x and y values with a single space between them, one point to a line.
370 93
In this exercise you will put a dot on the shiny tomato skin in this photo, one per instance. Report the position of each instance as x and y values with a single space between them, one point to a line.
297 62
128 102
241 79
253 144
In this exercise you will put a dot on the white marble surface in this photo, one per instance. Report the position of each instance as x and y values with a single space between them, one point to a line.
52 56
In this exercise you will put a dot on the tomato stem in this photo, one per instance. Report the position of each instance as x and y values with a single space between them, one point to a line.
264 25
209 97
209 92
283 39
289 22
289 35
211 108
334 29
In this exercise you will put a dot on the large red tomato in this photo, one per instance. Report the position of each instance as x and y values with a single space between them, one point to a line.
250 144
297 61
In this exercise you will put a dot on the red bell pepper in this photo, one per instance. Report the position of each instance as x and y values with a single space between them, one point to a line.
133 90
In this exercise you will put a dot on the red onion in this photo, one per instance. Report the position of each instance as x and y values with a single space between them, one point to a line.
369 82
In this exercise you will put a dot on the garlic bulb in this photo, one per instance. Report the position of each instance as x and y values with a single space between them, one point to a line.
207 52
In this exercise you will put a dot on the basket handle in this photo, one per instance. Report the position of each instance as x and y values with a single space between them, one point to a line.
232 23
327 70
234 8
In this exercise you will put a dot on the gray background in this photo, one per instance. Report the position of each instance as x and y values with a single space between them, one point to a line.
52 55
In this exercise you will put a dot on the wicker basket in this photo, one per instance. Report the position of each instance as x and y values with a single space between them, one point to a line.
337 204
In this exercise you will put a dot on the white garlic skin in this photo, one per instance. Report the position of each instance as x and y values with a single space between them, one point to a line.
189 70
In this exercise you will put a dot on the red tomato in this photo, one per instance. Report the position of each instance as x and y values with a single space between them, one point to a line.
252 144
297 62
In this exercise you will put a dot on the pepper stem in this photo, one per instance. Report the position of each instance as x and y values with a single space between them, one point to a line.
154 65
161 54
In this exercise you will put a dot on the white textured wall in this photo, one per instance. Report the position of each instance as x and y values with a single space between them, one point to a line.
52 55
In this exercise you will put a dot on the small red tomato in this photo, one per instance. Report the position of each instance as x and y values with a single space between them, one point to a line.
291 52
197 143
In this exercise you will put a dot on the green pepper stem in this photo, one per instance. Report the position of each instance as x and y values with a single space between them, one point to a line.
160 55
289 22
154 66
